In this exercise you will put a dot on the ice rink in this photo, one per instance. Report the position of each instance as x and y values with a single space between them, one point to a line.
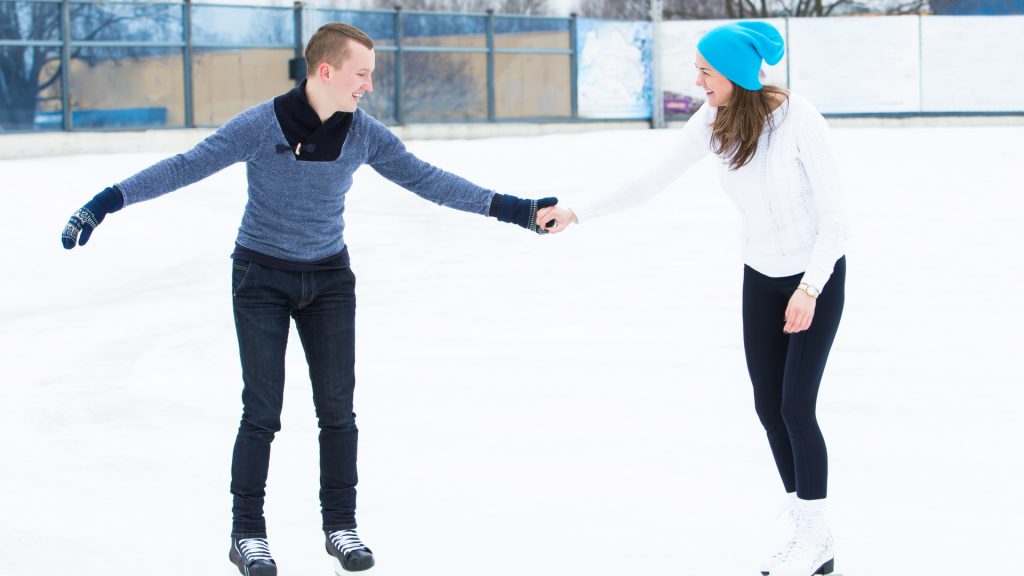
528 406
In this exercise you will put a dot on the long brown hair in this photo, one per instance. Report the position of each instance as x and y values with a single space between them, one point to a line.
738 126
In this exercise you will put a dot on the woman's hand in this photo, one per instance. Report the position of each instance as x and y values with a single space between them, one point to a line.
799 313
561 217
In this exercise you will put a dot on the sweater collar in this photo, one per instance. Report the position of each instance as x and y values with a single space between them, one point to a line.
309 139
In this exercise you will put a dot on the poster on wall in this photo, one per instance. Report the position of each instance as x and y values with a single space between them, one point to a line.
856 65
614 71
677 45
957 74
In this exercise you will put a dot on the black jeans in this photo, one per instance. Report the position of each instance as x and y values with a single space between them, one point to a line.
323 305
786 371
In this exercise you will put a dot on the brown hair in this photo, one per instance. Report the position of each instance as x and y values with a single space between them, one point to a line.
738 126
330 44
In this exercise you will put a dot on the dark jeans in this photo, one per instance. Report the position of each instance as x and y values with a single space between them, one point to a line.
786 371
323 305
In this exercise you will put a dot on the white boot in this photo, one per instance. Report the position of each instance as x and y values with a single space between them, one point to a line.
811 551
783 530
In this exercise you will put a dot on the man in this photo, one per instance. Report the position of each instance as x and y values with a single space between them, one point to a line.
290 262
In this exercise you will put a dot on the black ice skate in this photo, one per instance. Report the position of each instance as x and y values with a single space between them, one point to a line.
252 557
348 552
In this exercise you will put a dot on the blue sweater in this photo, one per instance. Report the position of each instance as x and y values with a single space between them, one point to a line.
296 208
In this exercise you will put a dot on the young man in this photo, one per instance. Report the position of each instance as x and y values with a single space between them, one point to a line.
291 262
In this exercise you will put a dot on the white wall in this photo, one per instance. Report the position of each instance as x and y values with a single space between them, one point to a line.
880 64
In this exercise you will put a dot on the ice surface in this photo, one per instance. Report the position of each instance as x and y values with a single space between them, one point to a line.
528 405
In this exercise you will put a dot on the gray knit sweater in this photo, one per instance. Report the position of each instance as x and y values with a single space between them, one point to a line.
295 208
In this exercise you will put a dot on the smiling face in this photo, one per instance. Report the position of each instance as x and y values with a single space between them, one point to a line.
717 88
353 78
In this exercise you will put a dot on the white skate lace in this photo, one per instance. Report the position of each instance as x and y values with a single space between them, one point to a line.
794 548
347 541
255 549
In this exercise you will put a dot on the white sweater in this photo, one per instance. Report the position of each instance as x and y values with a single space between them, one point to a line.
788 194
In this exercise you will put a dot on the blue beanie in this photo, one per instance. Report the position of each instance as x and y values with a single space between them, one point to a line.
736 50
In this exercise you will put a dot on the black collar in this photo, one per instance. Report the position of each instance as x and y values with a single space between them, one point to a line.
309 139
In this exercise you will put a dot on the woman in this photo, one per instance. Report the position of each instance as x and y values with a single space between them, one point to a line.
777 167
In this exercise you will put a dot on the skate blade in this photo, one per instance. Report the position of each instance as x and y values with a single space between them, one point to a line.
338 570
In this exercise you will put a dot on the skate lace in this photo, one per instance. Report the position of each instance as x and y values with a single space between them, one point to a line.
795 547
802 544
255 549
347 541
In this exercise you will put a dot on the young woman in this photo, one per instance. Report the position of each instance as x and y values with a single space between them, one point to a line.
777 167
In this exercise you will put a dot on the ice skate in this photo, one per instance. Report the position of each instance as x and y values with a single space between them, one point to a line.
252 557
348 552
811 551
783 530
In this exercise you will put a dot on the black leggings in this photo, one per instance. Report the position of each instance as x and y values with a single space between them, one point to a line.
786 370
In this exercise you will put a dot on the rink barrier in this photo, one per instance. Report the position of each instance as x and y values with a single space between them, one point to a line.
36 145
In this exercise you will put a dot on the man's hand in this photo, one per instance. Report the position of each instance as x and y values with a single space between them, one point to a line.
508 208
89 217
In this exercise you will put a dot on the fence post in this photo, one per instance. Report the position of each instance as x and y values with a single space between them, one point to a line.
490 64
573 61
398 64
297 62
187 68
789 79
920 65
658 94
65 57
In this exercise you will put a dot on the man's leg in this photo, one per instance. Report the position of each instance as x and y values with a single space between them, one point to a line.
261 308
326 324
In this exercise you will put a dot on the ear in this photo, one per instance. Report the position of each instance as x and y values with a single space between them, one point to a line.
323 71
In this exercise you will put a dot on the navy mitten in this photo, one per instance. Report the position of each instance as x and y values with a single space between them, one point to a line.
89 217
508 208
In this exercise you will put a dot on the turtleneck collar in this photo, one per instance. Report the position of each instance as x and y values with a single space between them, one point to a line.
309 139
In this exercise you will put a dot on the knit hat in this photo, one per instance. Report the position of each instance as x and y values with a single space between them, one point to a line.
736 50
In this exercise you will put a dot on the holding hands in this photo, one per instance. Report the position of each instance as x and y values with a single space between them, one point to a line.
524 212
556 219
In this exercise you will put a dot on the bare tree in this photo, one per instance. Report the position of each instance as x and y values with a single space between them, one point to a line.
28 73
603 9
518 7
734 9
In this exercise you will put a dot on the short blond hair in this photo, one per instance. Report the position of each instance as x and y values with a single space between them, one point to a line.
330 44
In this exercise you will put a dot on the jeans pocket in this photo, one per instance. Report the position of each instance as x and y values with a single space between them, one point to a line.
240 274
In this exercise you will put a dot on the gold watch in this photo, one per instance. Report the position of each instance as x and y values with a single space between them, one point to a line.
810 290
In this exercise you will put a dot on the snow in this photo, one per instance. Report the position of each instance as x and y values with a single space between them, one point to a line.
575 404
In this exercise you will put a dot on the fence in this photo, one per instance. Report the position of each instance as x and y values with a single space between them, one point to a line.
68 64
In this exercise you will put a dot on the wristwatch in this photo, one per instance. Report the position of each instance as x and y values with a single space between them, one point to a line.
810 290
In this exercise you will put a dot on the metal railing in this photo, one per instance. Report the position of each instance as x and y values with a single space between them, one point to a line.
63 46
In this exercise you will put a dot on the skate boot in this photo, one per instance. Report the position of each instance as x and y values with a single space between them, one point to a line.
348 552
812 550
252 557
783 530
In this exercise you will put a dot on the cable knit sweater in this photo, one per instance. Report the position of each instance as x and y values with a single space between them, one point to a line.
788 194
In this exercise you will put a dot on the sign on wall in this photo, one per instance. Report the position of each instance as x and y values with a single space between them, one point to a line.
614 70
